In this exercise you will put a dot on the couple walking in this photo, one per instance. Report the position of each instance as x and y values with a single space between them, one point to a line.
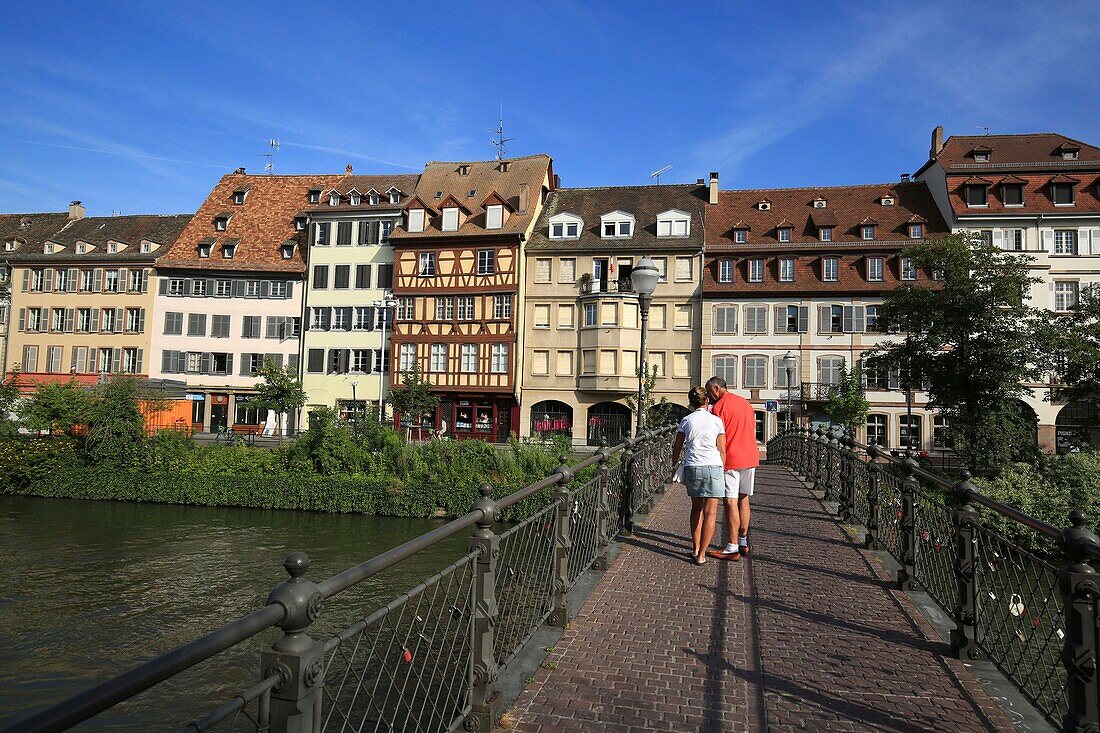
718 441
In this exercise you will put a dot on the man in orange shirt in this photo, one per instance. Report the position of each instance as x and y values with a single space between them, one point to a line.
742 458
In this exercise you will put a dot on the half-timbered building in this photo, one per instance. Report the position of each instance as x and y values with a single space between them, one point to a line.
458 264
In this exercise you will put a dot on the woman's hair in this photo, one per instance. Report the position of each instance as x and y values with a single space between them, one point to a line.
697 396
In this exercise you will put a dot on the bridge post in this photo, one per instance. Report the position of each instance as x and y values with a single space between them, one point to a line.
626 496
907 571
563 500
604 530
484 698
874 499
817 438
832 481
657 469
966 521
1079 584
296 658
805 444
845 494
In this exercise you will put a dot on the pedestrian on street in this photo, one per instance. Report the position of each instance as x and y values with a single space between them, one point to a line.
701 437
741 459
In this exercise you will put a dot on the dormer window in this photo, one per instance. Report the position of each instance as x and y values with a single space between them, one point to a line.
1012 194
11 245
49 248
981 157
616 224
314 196
565 226
205 246
977 194
740 235
287 250
673 223
981 154
763 205
146 247
354 198
887 200
867 231
300 223
825 234
450 218
494 216
819 203
229 249
395 196
416 220
221 222
916 231
239 196
1061 191
112 248
334 199
1069 155
1068 151
80 247
783 231
464 170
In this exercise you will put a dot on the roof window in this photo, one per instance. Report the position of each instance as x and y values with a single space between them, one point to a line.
354 198
287 250
886 200
565 226
763 205
981 154
239 196
464 170
617 224
819 203
11 245
314 196
1068 151
673 223
1061 191
472 193
372 198
221 222
395 196
977 193
334 199
229 248
300 223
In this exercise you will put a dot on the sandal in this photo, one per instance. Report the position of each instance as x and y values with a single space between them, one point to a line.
701 560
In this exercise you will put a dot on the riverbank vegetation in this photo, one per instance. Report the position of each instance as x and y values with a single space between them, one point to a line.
334 466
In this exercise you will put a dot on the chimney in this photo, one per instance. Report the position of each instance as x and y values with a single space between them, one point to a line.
557 181
713 188
700 182
522 208
937 141
240 171
905 177
76 210
348 169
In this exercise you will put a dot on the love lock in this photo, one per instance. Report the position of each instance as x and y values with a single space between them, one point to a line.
1016 605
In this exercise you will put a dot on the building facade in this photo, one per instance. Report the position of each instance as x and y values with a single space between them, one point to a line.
1038 195
581 359
82 296
348 316
229 295
458 266
802 271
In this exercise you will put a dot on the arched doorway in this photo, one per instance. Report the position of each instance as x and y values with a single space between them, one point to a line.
608 421
1076 425
550 418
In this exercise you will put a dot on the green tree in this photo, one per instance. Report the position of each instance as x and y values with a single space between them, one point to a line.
56 407
1072 349
847 404
413 400
10 395
116 425
280 391
657 412
329 446
971 340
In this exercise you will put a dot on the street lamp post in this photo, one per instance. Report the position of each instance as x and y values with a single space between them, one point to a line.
788 361
385 304
644 278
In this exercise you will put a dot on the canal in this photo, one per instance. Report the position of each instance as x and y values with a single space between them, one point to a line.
92 588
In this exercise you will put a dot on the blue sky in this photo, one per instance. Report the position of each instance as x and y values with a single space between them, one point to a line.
141 107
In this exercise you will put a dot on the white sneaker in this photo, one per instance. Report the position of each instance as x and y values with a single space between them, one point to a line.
730 549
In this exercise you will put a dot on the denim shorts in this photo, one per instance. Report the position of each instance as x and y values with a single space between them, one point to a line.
705 482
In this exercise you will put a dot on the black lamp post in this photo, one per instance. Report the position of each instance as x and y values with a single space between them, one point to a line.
644 278
788 361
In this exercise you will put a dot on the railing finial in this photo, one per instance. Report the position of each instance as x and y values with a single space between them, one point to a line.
486 506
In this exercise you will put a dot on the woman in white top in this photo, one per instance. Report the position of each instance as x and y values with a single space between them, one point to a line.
702 438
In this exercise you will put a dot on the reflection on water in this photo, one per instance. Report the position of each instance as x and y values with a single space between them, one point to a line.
94 588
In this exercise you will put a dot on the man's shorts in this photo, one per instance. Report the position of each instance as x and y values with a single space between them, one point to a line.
739 482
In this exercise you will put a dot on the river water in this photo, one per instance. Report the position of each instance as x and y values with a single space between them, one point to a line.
91 589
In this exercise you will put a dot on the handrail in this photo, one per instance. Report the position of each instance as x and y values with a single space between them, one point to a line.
104 695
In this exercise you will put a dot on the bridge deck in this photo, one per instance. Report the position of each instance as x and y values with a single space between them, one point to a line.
808 634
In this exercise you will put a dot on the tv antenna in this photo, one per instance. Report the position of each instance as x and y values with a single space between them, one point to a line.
656 175
983 128
499 141
269 166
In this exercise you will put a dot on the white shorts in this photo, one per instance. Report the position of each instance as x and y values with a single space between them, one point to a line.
739 482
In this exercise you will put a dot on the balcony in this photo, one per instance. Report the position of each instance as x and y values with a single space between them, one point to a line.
589 286
815 391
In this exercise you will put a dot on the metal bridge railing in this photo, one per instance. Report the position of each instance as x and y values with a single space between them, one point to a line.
1033 612
429 660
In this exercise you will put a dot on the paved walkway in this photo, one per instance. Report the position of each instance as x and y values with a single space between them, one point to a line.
806 635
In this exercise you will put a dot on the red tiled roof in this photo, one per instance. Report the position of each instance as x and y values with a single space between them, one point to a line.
1009 151
1036 195
850 205
262 223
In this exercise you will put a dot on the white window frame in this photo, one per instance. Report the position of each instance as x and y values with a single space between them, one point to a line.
725 271
756 270
1066 293
786 269
830 269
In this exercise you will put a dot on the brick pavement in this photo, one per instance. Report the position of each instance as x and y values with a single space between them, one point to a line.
776 642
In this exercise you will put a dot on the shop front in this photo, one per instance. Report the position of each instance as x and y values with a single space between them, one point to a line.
467 417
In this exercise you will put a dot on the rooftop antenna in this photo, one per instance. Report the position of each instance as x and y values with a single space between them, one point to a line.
499 141
269 166
983 128
656 175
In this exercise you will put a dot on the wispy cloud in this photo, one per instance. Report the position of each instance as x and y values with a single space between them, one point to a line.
810 87
131 153
349 153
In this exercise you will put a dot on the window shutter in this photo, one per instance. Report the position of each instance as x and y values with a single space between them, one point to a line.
22 319
238 288
187 286
292 362
1050 296
167 361
47 281
803 318
859 319
1095 242
181 361
265 288
277 358
345 355
93 326
70 314
146 274
824 319
326 318
847 321
289 290
1048 240
123 280
272 328
140 361
245 359
97 280
163 287
141 320
1083 242
26 280
74 275
316 361
999 239
372 316
116 360
206 362
119 319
